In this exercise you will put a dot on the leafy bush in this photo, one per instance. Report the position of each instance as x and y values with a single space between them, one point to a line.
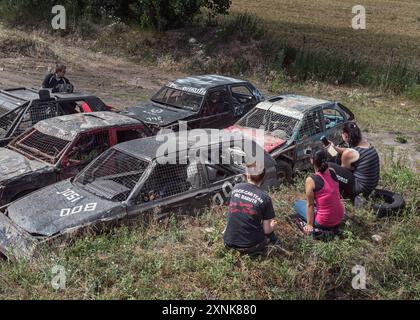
157 14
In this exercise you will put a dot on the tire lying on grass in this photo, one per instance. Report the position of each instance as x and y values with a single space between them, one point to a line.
386 203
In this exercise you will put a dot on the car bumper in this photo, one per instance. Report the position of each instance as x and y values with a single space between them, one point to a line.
15 243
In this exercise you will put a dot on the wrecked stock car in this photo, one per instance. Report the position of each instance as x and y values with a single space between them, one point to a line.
129 181
21 108
58 148
209 101
294 124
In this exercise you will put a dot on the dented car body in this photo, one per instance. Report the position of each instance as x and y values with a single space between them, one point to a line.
129 181
21 108
58 148
294 124
209 101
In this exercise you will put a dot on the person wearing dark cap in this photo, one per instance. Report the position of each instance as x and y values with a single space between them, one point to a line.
360 164
251 218
57 80
323 207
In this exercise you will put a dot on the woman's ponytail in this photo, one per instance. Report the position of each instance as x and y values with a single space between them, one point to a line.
320 159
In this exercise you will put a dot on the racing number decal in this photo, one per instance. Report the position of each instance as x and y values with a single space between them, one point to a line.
70 195
70 211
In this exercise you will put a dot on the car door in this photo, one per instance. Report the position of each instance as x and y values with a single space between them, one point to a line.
334 120
224 169
309 136
171 188
243 100
217 110
87 147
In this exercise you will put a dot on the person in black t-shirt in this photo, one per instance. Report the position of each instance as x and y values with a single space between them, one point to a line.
250 221
57 81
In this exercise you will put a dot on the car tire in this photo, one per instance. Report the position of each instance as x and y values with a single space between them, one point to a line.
385 203
284 171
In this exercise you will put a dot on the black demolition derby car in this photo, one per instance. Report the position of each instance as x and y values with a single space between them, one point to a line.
293 125
209 101
131 180
58 148
21 108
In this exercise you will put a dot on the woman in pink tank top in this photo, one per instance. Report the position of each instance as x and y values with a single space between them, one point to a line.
323 208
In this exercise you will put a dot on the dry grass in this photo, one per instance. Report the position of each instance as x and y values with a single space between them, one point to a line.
392 26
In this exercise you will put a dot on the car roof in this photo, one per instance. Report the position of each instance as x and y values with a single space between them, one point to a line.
23 95
69 126
147 148
201 84
291 105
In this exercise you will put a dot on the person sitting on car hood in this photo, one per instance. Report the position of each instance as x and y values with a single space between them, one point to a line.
250 221
57 80
323 207
360 166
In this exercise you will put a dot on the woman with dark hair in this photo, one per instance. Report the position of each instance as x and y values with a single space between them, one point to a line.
360 166
323 207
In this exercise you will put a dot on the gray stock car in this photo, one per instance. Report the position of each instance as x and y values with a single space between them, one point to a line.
127 181
209 101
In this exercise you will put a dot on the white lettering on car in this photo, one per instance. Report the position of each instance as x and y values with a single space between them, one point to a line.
75 210
71 195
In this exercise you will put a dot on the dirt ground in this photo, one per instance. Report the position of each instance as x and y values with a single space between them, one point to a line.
122 83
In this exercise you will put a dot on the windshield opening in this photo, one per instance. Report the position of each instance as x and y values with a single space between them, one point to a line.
275 124
113 175
41 146
179 99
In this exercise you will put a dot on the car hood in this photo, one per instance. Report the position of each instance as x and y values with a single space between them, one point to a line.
52 213
156 114
13 165
270 142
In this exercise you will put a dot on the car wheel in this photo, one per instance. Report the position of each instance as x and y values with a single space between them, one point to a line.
284 172
385 203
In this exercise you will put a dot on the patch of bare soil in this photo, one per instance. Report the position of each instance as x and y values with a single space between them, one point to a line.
119 82
386 143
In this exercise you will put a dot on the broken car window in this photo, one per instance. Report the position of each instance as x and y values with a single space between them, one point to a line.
312 124
216 102
168 180
332 118
41 146
273 123
178 99
89 147
113 175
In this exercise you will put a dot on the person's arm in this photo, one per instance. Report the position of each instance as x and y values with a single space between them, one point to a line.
269 224
348 157
46 82
310 199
